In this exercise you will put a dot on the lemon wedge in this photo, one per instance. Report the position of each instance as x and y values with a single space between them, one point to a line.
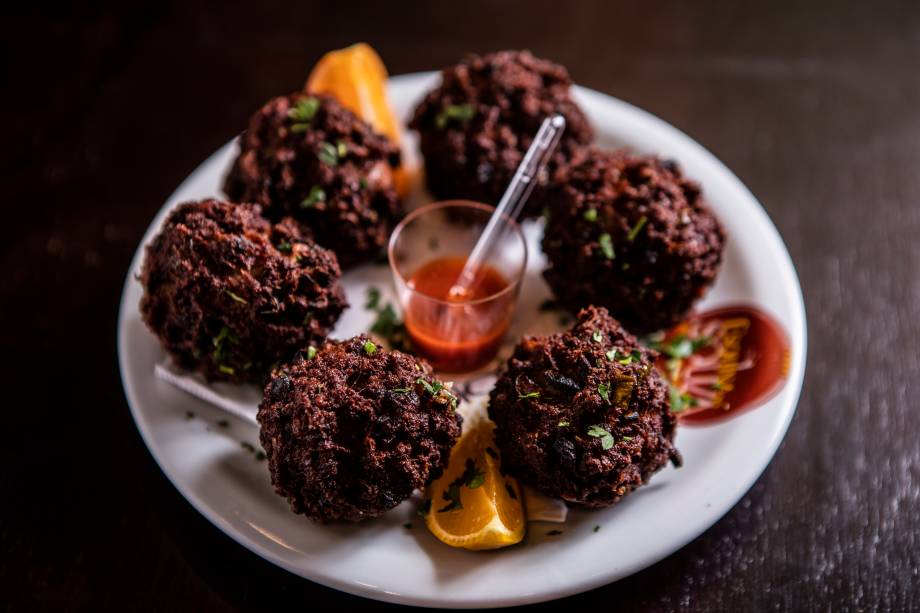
472 505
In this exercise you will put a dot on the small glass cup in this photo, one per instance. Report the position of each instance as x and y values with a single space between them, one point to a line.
429 247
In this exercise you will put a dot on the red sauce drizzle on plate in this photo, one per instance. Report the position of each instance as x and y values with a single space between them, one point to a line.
723 362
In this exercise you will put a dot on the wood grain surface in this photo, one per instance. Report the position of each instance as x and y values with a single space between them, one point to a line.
816 107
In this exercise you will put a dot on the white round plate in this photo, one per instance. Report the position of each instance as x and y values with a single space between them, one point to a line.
382 559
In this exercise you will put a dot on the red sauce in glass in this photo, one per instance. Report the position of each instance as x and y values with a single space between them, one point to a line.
457 333
744 363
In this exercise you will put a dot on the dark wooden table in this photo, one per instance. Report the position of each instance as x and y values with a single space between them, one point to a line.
816 108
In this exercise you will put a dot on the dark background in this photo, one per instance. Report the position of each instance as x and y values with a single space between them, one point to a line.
816 108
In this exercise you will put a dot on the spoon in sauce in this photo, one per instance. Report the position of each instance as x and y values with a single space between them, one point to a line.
510 205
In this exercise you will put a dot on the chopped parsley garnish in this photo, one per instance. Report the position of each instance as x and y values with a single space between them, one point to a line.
681 401
311 352
316 195
606 244
437 390
604 390
681 346
223 423
407 525
597 336
454 112
615 355
402 390
328 154
229 370
370 348
373 298
563 423
590 215
598 431
341 149
284 247
236 297
305 109
362 183
248 446
472 478
260 456
528 395
596 528
634 231
302 113
627 438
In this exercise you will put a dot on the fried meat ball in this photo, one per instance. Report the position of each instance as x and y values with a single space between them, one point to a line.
353 430
229 294
583 415
476 126
309 157
630 233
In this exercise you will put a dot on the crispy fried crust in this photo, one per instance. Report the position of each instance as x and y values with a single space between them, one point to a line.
350 433
665 241
229 294
509 93
551 414
285 163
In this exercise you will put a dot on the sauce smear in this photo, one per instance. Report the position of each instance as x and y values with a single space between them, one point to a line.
457 332
723 362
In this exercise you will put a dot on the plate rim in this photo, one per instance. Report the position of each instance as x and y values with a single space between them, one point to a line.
796 380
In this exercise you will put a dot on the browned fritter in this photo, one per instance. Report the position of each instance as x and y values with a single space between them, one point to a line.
309 157
351 431
229 294
476 126
583 415
630 233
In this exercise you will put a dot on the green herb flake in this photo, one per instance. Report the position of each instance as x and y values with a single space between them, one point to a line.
362 183
260 456
402 390
248 446
304 110
316 195
680 402
597 337
311 352
454 112
598 431
590 215
284 247
606 245
328 154
223 423
563 423
634 231
528 395
373 298
407 525
452 496
604 390
370 348
596 529
236 297
228 370
341 149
